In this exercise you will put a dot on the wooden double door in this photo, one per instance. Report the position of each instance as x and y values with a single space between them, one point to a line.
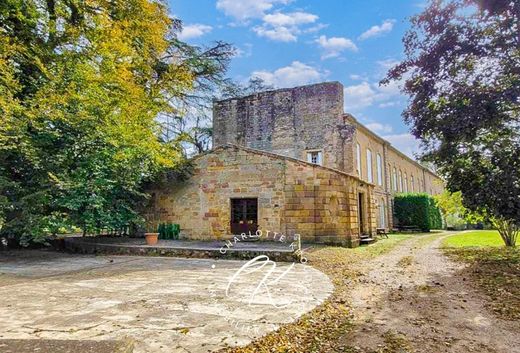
244 216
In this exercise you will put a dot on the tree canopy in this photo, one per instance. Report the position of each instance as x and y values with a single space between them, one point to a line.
81 86
462 73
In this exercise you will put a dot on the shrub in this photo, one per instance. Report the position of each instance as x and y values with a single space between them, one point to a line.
169 231
417 210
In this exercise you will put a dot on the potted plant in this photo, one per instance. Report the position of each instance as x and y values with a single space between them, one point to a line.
169 231
151 235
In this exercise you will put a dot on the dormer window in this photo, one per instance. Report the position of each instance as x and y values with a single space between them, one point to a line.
315 157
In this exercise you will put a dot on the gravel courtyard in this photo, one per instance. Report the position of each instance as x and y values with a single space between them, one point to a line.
163 304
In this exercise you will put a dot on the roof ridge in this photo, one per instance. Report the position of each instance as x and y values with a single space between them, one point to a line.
281 156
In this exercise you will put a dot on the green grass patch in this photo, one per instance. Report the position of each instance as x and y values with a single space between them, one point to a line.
475 238
382 245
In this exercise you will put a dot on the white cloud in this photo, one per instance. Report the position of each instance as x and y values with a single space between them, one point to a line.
276 24
194 31
357 77
387 64
334 46
405 143
388 104
366 94
284 27
376 31
379 128
245 52
289 19
243 10
318 27
391 89
279 34
295 74
359 96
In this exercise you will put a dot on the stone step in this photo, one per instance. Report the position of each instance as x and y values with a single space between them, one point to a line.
276 251
366 240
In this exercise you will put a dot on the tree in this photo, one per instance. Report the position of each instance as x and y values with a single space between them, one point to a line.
462 73
81 86
453 210
193 128
189 125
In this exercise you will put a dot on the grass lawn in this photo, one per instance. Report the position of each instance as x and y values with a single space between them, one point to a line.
474 238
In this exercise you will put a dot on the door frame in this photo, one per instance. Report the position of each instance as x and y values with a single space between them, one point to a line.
251 226
361 212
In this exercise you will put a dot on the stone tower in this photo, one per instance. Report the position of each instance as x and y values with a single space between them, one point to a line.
291 122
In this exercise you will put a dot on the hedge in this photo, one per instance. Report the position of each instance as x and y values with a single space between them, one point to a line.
417 210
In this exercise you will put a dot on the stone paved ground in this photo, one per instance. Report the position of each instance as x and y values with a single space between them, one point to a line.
164 304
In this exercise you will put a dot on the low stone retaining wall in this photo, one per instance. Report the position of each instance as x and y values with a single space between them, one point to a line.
64 346
82 245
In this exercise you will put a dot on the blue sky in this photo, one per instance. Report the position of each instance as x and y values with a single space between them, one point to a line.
295 42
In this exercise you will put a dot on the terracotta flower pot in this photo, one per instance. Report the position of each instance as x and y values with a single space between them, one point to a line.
151 238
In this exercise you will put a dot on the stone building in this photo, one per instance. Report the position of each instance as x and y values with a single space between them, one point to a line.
291 161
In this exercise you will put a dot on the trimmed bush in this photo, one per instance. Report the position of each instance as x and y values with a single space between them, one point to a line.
417 210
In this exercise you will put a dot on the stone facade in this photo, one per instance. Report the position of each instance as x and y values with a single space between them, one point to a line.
302 160
288 122
294 197
399 173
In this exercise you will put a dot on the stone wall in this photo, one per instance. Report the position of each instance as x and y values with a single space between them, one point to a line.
316 202
288 122
405 167
201 205
322 205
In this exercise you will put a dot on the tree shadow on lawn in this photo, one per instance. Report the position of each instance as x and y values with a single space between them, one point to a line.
496 272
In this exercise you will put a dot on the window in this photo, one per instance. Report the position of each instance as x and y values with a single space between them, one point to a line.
315 157
400 181
379 166
370 176
395 179
412 186
405 182
358 158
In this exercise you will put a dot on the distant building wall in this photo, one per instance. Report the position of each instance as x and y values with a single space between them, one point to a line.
399 173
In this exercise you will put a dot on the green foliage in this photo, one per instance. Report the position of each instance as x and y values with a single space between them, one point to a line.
81 86
417 210
169 231
435 216
455 214
461 71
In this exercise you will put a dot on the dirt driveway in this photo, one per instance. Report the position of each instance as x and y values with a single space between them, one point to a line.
412 299
163 304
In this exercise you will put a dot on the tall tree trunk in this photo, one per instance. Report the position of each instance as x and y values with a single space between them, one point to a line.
507 229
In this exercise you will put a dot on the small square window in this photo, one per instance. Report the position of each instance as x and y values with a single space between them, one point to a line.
314 157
